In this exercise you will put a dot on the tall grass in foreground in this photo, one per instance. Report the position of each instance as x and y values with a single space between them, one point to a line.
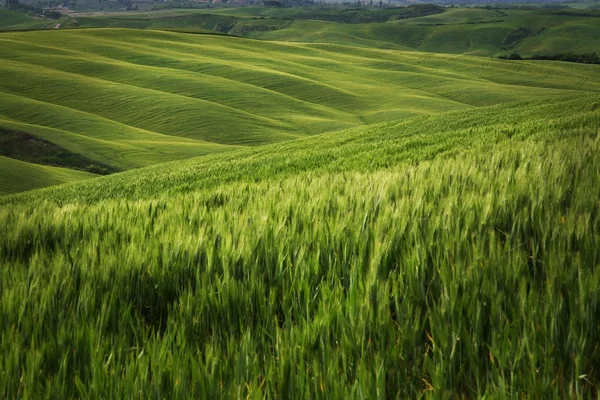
463 277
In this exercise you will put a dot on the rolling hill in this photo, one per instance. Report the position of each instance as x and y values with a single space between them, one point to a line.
459 31
13 20
474 31
18 176
451 255
125 98
362 206
362 150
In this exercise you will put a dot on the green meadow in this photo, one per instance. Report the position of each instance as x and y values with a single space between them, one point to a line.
437 257
475 31
13 20
460 30
296 203
457 30
18 175
125 98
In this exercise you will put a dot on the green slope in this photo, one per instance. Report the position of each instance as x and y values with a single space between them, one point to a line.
131 98
13 20
361 149
18 176
461 31
438 257
455 30
29 148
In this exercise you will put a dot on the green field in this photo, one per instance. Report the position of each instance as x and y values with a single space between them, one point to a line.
474 31
460 31
13 20
18 176
441 256
317 208
125 98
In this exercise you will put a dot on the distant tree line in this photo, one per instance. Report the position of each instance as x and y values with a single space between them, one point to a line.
273 3
15 5
583 58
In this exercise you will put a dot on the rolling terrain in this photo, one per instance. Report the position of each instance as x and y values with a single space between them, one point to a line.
474 31
18 176
363 149
451 255
365 205
124 98
13 20
459 31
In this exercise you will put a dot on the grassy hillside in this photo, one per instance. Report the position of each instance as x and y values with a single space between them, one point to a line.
133 98
30 19
18 176
363 149
12 20
455 30
460 31
442 256
238 19
428 28
32 149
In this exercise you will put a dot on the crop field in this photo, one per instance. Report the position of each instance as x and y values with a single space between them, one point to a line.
460 31
125 98
473 31
12 20
313 203
18 175
442 256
